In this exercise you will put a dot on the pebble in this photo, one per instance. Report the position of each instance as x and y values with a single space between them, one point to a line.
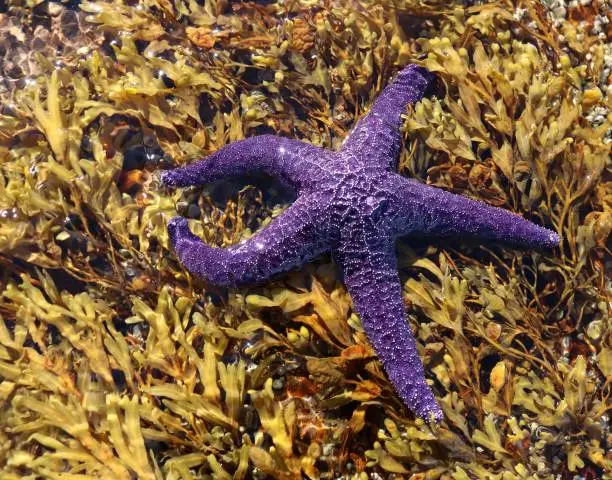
72 221
193 211
69 240
140 156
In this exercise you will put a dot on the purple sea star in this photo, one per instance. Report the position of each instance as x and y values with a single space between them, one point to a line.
351 203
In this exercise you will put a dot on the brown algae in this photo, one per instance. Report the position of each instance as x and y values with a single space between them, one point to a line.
116 363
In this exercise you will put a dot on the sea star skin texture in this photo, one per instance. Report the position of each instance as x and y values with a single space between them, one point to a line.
352 203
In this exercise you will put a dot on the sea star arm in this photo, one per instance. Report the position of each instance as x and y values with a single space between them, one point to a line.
429 211
376 138
291 239
288 160
370 274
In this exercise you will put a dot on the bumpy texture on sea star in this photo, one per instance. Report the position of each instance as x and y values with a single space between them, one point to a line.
351 203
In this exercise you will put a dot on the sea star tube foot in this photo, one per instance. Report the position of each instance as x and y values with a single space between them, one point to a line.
350 203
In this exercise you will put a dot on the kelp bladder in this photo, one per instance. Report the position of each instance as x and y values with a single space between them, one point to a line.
116 363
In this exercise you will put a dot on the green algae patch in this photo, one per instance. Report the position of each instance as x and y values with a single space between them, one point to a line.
116 363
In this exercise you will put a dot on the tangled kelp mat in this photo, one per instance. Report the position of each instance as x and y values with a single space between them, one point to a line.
115 363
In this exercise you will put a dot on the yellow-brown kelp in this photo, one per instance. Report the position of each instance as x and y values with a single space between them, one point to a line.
116 363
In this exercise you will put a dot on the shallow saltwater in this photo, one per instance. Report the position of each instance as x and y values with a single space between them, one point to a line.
116 362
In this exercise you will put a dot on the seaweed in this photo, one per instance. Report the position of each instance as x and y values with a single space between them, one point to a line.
116 363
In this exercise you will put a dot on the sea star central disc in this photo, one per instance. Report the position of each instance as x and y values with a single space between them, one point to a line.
351 203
